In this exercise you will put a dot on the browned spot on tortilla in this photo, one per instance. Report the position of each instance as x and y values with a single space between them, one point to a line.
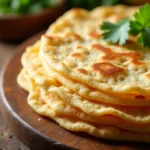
110 55
148 75
78 13
79 46
74 35
140 97
107 69
49 37
54 39
130 44
82 71
94 34
76 54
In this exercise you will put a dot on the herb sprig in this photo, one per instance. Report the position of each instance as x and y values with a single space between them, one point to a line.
140 26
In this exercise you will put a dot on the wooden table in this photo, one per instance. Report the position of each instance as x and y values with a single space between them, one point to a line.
8 141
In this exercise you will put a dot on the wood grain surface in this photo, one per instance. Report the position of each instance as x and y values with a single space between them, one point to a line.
41 133
8 141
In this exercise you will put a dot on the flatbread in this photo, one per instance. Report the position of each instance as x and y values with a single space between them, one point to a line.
75 124
86 84
79 88
119 70
138 115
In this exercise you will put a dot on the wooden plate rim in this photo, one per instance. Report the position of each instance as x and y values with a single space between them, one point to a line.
10 116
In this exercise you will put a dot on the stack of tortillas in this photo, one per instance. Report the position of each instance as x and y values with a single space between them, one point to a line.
86 84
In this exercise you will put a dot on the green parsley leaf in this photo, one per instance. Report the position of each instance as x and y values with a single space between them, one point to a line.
136 28
141 25
144 38
143 16
116 32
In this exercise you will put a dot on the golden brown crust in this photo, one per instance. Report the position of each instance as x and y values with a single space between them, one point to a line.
94 34
111 55
83 71
107 69
76 55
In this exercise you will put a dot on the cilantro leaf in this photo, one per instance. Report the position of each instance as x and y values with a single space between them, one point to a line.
141 25
136 28
116 32
143 16
144 38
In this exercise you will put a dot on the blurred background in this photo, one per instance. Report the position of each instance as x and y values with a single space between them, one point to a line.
19 19
34 6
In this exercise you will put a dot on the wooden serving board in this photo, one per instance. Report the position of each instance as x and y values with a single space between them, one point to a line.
41 133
